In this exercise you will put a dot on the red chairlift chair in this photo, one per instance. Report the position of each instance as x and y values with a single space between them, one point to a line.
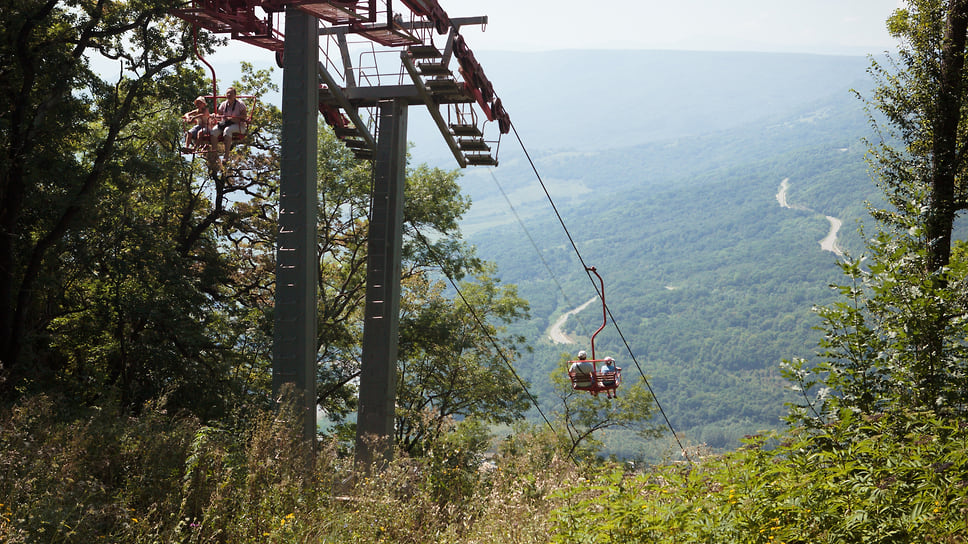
203 145
586 374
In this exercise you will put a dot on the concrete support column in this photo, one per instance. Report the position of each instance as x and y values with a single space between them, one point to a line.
374 434
294 336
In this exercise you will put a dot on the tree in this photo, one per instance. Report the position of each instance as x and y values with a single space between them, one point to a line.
898 340
61 131
924 102
450 364
96 198
123 323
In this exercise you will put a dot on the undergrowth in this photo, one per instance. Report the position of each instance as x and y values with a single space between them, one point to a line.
104 476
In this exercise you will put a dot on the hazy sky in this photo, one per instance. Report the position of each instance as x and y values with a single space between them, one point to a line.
808 26
855 27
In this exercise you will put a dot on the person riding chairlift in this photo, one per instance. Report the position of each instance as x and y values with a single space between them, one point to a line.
583 370
608 375
232 115
202 129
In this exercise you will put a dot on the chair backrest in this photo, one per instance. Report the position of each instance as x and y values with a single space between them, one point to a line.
582 374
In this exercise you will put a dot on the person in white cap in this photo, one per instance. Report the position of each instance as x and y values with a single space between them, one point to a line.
581 370
609 373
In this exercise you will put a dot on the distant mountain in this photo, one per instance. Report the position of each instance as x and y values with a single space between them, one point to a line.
594 100
666 168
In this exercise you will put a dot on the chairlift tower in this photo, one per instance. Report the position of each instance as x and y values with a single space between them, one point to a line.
367 109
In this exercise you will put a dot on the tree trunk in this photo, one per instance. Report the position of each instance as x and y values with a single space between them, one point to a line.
943 206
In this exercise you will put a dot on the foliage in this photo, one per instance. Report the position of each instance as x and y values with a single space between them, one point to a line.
896 340
922 98
447 366
92 476
81 477
155 477
874 355
68 137
893 478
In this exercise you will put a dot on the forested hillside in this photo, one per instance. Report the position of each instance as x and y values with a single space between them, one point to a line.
709 279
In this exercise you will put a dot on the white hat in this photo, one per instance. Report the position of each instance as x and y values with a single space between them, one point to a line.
582 354
609 359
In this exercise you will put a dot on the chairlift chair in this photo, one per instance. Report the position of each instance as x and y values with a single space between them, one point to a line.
586 374
203 145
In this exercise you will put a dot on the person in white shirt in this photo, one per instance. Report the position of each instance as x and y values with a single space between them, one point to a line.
232 115
581 370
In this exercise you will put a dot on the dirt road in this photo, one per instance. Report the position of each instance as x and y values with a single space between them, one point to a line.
555 333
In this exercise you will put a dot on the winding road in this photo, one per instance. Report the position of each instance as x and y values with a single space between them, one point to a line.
829 243
555 333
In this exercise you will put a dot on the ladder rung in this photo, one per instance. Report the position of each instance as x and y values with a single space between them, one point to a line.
473 145
481 160
356 144
394 36
433 69
466 130
424 52
346 132
443 86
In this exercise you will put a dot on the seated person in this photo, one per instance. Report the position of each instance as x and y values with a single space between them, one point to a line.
201 129
582 370
609 376
232 114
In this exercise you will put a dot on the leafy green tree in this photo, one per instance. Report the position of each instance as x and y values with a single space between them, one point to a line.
922 96
129 325
64 132
114 279
898 339
449 367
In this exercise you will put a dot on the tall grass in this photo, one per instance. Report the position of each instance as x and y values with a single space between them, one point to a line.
105 476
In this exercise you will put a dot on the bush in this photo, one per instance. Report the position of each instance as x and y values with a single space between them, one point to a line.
891 479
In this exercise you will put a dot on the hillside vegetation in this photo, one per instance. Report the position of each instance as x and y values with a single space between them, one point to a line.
708 278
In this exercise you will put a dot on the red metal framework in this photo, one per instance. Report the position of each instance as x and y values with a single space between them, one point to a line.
257 22
237 17
337 12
